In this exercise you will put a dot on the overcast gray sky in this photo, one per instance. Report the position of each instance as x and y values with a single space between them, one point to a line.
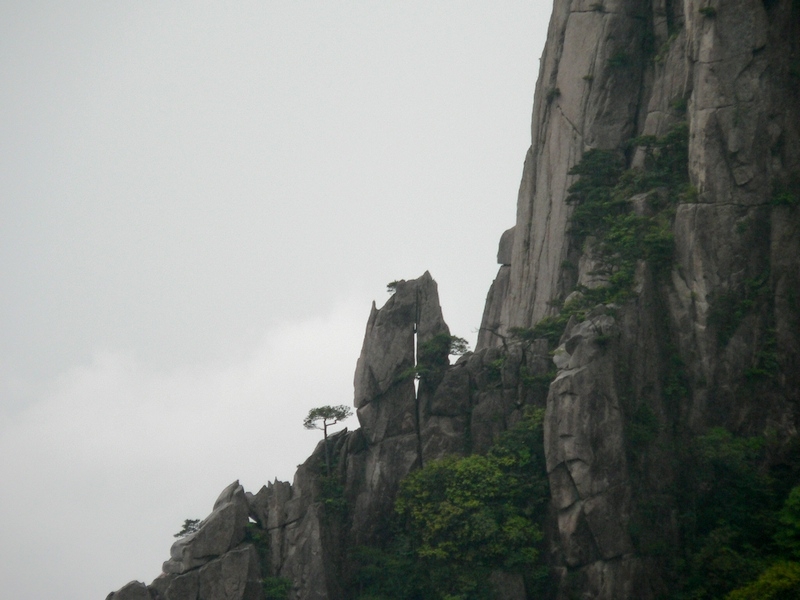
199 203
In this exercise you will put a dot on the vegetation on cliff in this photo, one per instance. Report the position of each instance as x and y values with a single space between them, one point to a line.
739 517
459 520
733 507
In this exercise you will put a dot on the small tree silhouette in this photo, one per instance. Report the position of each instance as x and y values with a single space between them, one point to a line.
189 527
322 418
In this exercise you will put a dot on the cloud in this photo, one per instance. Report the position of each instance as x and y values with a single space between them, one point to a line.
105 466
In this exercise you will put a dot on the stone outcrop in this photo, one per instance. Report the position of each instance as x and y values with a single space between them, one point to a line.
489 334
134 590
221 531
211 563
314 523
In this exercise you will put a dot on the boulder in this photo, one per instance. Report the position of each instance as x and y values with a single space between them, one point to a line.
234 576
505 247
492 329
221 531
135 590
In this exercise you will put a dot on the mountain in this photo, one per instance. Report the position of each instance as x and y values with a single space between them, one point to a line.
631 406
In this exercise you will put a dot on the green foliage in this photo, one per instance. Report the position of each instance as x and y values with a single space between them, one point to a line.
189 526
432 358
729 308
458 346
260 540
787 195
722 563
729 468
781 581
785 199
324 416
674 383
459 519
690 195
619 60
494 370
788 535
393 574
601 196
642 427
552 94
432 355
549 328
730 514
598 172
679 105
276 588
765 364
436 350
666 161
468 516
391 287
332 496
664 49
540 382
708 11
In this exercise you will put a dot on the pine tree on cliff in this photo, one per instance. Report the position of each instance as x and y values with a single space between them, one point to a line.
323 417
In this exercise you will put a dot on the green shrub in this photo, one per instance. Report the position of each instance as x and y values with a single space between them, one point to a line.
729 513
619 60
189 527
459 519
781 581
603 210
788 535
730 307
276 588
642 427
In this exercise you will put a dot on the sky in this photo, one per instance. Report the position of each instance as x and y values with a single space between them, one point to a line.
198 204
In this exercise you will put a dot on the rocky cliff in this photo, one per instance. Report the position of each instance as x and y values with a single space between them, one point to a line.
690 344
647 298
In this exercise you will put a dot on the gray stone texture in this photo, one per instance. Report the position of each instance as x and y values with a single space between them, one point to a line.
134 590
221 531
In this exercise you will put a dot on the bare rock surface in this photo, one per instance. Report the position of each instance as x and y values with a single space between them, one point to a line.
134 590
221 531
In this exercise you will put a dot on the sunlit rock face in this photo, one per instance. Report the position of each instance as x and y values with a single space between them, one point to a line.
679 347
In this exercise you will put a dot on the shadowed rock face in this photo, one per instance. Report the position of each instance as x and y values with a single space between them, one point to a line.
611 71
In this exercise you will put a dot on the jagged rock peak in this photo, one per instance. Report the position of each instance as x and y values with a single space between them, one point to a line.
384 389
211 563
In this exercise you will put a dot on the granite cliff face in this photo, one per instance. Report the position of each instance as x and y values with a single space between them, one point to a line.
610 72
632 356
